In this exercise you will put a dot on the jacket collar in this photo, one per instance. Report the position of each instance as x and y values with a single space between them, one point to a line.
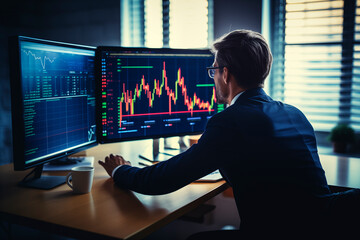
253 92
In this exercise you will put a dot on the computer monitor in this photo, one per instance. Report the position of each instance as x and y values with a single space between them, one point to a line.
53 103
153 93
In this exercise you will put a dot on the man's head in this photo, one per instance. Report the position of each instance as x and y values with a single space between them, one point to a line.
246 56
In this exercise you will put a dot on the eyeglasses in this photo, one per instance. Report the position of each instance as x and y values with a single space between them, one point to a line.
212 70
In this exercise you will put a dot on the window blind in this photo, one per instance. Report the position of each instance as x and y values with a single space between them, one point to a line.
166 23
132 23
355 91
313 60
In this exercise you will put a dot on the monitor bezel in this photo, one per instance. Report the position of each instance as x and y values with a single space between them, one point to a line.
98 73
17 104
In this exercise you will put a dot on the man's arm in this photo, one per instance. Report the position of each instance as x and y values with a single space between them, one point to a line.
201 159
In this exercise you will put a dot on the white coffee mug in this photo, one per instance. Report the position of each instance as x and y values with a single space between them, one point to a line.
81 179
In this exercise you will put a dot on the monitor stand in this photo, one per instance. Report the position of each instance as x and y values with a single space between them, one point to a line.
41 182
161 152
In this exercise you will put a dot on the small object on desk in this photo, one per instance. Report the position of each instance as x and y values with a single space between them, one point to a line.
160 157
211 177
144 164
168 154
68 165
80 179
147 159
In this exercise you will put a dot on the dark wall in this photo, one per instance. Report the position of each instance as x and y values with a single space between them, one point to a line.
86 22
231 15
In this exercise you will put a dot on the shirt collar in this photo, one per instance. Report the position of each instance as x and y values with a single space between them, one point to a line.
235 98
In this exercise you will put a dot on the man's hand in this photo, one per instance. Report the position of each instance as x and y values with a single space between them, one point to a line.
111 162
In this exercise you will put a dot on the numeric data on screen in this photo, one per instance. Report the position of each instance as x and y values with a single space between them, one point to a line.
58 87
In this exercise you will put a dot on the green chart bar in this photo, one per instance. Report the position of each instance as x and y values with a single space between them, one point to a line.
136 66
204 85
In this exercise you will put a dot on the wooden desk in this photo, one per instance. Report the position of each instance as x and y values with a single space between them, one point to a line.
106 213
112 213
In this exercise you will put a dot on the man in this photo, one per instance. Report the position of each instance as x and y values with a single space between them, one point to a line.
266 150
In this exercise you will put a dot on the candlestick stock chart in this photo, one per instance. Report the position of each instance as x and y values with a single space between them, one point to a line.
149 95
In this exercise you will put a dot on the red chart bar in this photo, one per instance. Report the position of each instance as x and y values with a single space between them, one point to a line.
165 113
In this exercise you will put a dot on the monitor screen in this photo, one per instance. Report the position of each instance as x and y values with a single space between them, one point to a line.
152 93
53 100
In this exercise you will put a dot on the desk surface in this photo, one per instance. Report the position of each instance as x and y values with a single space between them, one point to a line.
112 213
341 171
106 213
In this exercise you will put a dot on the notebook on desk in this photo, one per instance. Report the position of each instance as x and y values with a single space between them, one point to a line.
212 177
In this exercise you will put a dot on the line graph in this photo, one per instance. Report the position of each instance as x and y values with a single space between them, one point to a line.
91 132
42 60
129 98
150 93
165 113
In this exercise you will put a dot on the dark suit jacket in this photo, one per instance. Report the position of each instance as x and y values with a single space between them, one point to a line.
266 150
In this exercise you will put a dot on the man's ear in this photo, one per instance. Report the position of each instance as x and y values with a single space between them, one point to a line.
226 75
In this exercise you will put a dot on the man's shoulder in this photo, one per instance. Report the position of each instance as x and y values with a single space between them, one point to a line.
226 113
232 114
254 111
